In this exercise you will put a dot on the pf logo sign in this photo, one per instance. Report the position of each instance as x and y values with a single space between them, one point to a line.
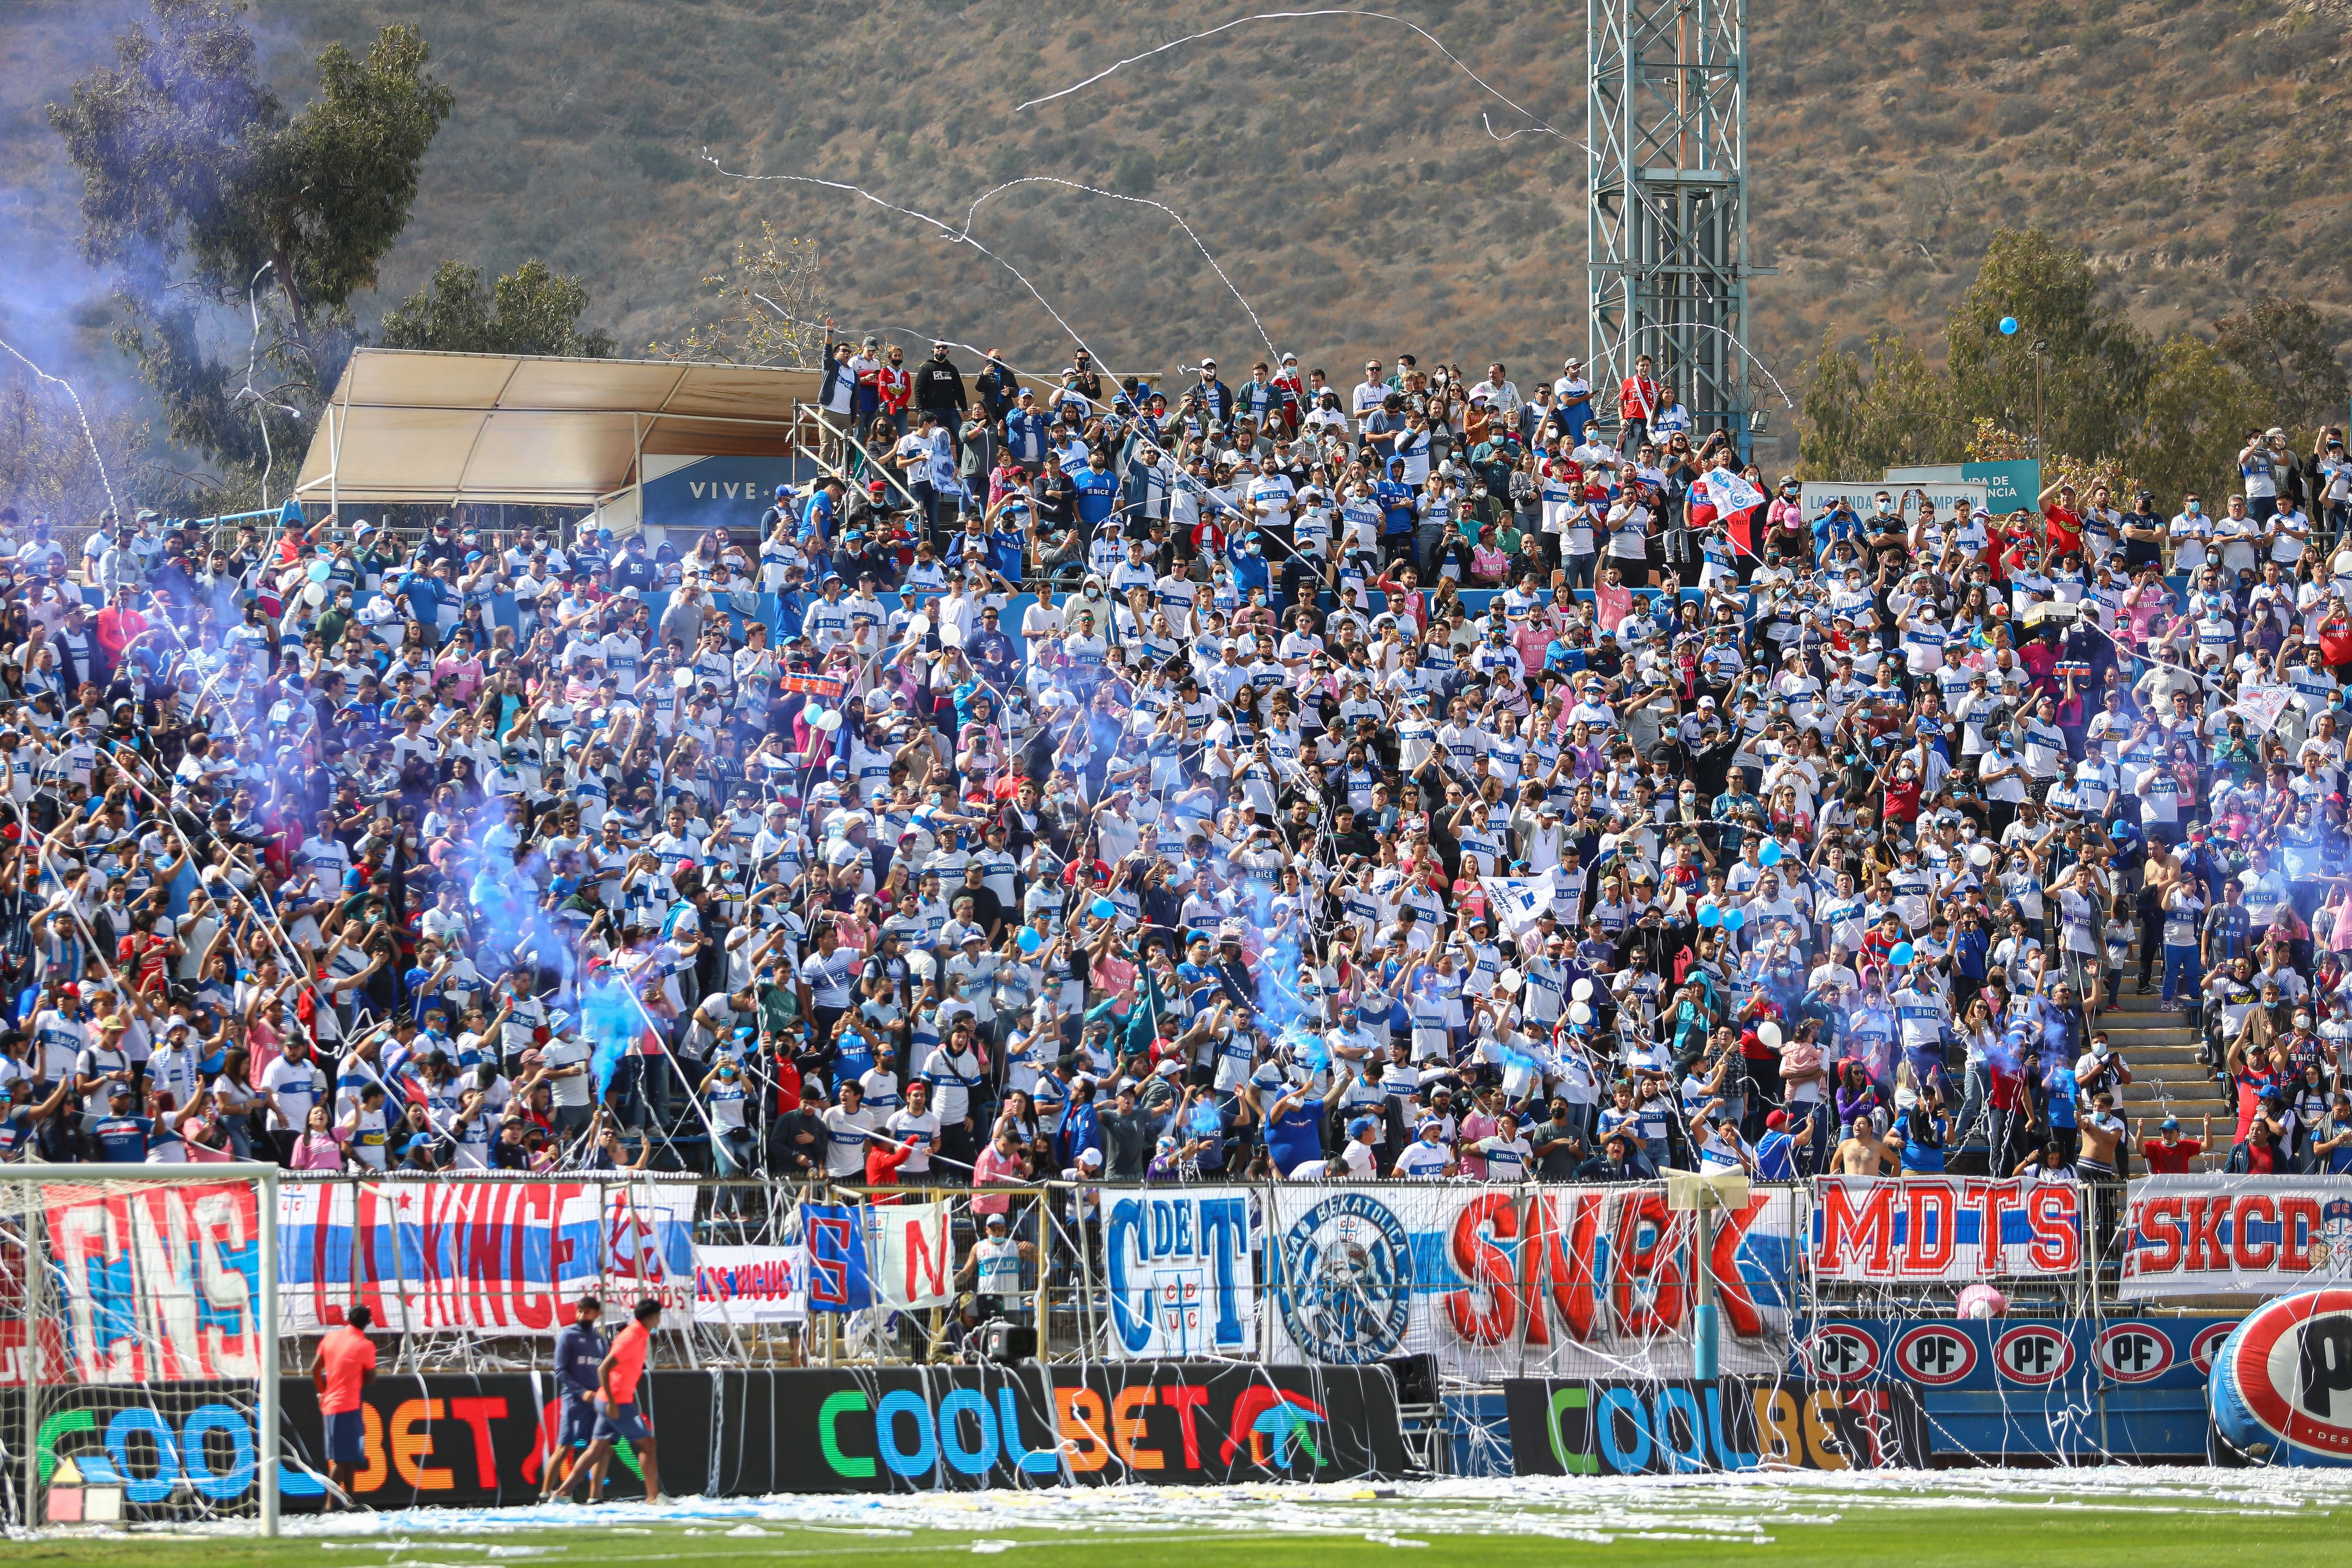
2285 1375
1935 1355
1839 1352
2133 1352
2035 1354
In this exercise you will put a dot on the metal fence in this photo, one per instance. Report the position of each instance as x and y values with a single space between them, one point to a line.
1065 1277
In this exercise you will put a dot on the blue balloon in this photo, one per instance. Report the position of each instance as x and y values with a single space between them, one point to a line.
1900 955
1710 917
1734 919
1105 909
1030 941
321 572
2009 326
1771 854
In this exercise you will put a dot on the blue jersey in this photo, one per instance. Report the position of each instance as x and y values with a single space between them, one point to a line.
1097 495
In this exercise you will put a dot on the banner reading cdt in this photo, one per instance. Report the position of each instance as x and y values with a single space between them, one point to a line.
1943 1227
505 1257
1177 1264
1503 1281
2243 1235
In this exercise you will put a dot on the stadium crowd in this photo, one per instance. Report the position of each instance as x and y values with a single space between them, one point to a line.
1424 778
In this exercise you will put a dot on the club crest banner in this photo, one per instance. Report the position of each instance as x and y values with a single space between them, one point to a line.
1550 1281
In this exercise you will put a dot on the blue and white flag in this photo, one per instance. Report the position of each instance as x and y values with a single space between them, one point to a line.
1517 901
1728 492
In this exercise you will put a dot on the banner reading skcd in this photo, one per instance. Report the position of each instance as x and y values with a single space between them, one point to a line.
1943 1227
161 1283
2237 1236
1177 1262
1618 1427
1497 1282
505 1257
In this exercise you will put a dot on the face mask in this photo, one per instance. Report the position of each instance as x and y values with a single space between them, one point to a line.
2191 509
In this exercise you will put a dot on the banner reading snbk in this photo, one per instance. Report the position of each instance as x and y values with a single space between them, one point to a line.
2251 1236
1551 1281
160 1283
1944 1228
500 1256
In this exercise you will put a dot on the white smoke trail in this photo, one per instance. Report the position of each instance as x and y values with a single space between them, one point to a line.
112 505
262 405
1537 121
1743 348
946 232
1276 355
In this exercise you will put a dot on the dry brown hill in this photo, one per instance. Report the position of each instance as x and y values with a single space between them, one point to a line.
1336 166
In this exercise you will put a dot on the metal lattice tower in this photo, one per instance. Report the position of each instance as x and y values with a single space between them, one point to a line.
1666 225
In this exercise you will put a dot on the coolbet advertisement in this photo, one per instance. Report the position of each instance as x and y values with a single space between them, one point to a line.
1627 1428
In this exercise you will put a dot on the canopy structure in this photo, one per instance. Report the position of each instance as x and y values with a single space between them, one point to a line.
410 426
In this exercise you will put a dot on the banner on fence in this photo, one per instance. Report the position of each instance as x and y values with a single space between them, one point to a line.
2237 1236
1559 1281
751 1284
158 1283
1177 1269
1943 1227
1624 1428
492 1256
840 1275
2005 1355
912 1249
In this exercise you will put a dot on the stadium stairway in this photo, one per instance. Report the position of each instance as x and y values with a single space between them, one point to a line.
2166 1076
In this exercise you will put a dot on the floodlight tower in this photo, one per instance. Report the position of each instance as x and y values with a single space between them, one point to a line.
1666 225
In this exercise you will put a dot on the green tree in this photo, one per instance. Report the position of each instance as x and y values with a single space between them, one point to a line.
1857 421
2192 420
2281 348
203 195
2092 366
532 310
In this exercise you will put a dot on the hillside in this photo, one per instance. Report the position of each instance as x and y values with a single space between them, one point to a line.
1338 167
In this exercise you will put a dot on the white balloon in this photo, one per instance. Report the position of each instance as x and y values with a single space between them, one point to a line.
1981 855
682 678
950 635
1581 991
1510 979
920 626
828 721
314 594
1770 1033
1578 1013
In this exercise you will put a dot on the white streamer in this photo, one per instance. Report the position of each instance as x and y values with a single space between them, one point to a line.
1538 122
112 505
1072 184
945 232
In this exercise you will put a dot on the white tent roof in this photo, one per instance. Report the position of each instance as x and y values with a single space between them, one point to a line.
408 426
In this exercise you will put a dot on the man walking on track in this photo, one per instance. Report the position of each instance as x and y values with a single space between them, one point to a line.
618 1415
579 1357
340 1370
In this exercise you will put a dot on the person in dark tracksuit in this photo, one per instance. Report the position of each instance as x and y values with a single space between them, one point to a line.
579 1350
